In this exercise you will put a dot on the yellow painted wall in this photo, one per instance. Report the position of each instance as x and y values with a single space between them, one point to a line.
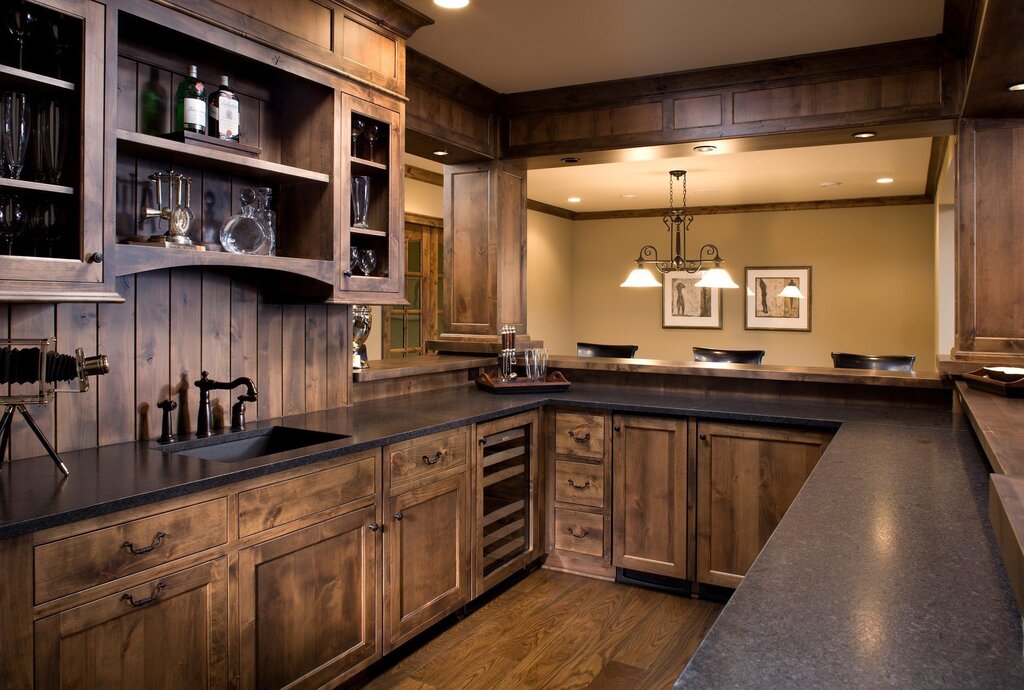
549 281
873 288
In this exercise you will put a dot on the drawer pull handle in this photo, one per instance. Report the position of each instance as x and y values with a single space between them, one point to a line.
157 541
397 516
147 600
582 534
579 488
373 526
436 459
578 438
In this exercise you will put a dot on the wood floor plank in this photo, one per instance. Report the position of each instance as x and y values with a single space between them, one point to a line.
658 631
673 660
617 676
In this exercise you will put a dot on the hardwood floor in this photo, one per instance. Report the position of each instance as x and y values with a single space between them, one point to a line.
554 630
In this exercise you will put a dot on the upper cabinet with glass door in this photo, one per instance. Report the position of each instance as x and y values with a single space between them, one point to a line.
52 242
371 241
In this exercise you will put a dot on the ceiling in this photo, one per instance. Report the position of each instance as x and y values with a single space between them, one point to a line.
534 44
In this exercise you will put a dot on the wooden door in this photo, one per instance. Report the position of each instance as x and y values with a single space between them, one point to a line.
426 542
649 520
747 477
309 604
407 328
169 633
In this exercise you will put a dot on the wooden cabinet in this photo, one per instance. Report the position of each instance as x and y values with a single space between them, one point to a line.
426 533
309 603
581 494
170 632
60 250
650 520
747 477
507 499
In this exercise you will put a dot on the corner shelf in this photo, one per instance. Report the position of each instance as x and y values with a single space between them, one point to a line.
133 258
22 76
29 186
134 142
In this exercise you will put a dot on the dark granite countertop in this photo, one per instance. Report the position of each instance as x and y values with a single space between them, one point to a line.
883 572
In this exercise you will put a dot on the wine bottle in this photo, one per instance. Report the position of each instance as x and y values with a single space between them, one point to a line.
192 103
224 112
154 105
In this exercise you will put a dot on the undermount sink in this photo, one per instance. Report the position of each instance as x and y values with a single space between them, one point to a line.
246 445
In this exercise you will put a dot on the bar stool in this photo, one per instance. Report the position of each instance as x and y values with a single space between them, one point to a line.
598 350
704 354
847 360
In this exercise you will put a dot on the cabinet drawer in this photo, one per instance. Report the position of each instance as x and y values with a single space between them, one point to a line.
580 483
276 504
580 435
431 455
85 560
578 532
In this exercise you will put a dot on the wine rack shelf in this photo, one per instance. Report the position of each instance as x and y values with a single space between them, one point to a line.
138 259
505 491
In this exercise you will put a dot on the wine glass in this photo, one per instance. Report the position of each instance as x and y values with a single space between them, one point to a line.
12 221
371 134
360 201
19 20
353 261
357 129
60 30
367 261
52 132
46 226
14 120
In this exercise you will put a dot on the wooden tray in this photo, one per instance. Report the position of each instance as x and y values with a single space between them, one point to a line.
985 381
215 143
555 381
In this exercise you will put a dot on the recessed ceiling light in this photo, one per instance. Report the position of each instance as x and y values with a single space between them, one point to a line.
451 4
830 183
628 196
865 135
1015 87
884 180
440 152
571 159
574 200
705 148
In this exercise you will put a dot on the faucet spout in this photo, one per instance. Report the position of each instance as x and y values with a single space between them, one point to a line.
204 425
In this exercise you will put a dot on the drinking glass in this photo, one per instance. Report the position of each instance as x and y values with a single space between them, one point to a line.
353 260
52 132
19 20
530 361
371 134
367 261
12 221
360 201
540 357
14 119
357 129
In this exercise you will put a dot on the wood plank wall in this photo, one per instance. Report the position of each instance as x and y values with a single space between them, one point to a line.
173 325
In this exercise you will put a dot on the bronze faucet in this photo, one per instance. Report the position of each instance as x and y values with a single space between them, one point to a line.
205 385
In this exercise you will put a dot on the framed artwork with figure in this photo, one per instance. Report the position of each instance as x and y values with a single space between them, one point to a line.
778 298
684 305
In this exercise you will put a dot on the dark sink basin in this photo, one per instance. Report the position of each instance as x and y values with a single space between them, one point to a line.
246 445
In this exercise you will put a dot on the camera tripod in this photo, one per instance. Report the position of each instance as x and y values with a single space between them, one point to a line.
5 433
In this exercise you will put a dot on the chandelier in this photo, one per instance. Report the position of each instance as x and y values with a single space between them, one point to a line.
677 222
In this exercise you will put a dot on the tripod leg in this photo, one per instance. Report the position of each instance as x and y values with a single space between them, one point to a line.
42 439
5 432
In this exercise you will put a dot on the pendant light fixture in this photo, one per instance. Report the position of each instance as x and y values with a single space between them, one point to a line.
677 222
791 290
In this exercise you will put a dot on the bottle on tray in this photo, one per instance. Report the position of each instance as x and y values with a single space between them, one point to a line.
224 112
191 100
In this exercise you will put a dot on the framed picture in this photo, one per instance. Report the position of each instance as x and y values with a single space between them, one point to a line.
769 307
684 305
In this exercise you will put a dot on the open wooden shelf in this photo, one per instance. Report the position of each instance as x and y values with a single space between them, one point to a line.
368 164
134 258
210 159
10 74
30 186
368 232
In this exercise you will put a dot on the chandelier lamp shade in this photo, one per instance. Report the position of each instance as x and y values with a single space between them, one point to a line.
677 222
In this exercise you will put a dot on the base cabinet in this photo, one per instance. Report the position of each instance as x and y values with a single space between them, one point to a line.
171 632
308 603
747 477
649 489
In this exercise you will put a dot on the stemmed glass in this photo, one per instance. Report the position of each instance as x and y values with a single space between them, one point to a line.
45 227
353 261
357 129
14 119
367 261
360 201
19 20
60 30
12 221
371 134
52 131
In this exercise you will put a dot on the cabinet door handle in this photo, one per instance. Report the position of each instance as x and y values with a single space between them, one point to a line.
703 437
579 488
582 534
578 438
147 600
436 459
373 527
157 541
617 428
397 516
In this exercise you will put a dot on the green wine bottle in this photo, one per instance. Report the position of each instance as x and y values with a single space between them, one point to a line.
154 105
192 103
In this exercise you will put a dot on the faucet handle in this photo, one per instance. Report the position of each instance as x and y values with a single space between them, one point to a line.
238 412
167 430
204 381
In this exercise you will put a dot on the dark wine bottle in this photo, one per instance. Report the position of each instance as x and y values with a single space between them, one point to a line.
224 112
192 103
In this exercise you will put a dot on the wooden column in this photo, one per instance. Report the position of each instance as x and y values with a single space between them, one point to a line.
484 256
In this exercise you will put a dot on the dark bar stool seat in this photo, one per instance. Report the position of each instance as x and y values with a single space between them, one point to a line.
599 350
705 354
846 360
